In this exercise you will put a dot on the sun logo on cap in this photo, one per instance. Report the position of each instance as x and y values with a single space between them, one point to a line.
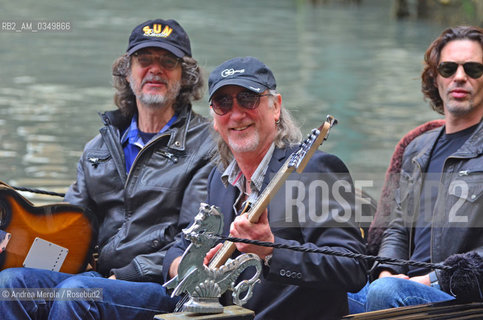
157 31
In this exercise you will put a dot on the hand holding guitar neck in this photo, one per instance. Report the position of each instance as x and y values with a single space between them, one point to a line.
241 227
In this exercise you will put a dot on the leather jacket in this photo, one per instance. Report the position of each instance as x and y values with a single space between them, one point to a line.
142 213
457 221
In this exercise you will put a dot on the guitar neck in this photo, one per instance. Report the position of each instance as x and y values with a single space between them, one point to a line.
264 199
254 213
222 255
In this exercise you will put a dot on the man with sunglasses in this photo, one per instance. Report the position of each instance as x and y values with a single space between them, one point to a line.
256 135
143 177
438 210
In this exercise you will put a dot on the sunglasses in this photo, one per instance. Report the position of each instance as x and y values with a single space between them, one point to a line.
223 103
472 69
166 61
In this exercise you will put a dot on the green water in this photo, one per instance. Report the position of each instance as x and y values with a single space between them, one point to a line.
354 62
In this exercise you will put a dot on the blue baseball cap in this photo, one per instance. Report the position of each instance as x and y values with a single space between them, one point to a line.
247 72
164 34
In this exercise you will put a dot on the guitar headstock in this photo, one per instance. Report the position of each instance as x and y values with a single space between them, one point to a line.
300 158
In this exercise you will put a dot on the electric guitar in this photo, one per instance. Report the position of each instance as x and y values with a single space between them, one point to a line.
58 237
296 162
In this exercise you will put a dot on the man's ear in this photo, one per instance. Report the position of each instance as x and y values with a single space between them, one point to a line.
128 72
277 105
212 114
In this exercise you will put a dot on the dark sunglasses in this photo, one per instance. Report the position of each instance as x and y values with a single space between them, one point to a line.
166 61
223 103
472 69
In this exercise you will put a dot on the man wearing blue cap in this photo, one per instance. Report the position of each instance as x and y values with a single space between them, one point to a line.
256 135
143 177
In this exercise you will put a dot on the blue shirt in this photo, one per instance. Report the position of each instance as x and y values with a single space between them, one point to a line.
132 139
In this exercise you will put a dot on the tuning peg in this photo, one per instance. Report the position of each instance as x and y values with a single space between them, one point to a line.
331 120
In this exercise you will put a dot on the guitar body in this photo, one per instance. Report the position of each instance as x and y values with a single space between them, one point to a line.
63 224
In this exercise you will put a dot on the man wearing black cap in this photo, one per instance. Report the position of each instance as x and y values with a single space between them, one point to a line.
143 177
256 135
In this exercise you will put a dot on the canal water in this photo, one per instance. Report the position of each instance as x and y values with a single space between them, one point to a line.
355 62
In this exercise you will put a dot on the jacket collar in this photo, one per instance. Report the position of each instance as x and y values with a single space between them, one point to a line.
470 149
422 157
177 131
116 119
278 159
473 146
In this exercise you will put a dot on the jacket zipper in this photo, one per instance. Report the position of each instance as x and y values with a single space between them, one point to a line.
468 172
96 161
167 155
140 153
416 203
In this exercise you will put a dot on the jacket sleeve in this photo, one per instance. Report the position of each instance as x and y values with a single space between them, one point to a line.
324 215
180 245
396 238
395 244
78 194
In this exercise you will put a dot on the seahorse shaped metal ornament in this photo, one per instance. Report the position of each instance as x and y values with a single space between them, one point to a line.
205 285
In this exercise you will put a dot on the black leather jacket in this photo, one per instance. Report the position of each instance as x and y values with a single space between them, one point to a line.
457 223
141 214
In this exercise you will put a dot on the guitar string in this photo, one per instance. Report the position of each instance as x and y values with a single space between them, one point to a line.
39 191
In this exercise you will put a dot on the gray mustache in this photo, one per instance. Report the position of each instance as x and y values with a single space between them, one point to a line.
153 78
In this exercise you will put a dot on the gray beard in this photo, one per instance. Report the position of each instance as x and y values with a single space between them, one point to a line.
248 146
152 99
155 100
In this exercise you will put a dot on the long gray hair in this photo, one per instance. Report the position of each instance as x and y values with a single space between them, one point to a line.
192 82
288 134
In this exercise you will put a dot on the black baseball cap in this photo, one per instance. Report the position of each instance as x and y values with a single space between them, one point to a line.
247 72
165 34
